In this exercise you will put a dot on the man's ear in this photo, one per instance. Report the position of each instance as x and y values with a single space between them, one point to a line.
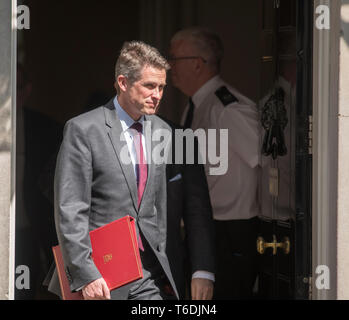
122 82
198 65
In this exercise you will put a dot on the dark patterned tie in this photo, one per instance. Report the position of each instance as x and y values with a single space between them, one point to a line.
141 166
190 114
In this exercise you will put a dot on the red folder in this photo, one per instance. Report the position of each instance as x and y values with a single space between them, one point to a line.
115 253
62 277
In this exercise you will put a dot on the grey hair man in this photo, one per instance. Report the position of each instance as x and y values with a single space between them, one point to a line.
93 186
195 57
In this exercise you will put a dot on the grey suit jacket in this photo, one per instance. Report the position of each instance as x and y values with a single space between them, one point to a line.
188 199
94 187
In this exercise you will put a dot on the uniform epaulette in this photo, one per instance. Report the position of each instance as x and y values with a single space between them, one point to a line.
225 96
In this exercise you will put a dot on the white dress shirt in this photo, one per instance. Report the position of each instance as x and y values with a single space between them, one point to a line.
126 123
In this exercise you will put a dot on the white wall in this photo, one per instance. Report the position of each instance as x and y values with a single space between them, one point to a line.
331 151
343 155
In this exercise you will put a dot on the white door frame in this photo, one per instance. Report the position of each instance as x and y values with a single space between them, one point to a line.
13 153
8 58
325 152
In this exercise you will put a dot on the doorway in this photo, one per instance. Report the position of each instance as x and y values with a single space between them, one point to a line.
286 114
267 46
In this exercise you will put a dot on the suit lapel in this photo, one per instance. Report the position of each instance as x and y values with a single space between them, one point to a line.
120 146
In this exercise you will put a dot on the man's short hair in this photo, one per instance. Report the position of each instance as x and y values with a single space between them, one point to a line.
134 56
207 44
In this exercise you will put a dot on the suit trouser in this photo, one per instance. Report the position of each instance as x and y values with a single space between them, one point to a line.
154 283
236 258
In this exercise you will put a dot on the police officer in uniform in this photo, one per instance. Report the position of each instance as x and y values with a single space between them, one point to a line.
195 57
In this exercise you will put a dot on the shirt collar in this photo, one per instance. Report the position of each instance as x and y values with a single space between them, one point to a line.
125 119
211 85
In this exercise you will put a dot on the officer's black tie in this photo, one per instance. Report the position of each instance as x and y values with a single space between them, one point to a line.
189 118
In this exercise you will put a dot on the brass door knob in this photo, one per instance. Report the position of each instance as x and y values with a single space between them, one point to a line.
284 245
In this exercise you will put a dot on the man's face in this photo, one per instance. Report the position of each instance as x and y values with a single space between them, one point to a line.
182 68
144 95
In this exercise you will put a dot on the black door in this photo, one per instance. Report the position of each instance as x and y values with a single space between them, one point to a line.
284 242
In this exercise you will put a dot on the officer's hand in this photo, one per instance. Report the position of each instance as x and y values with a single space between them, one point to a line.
96 290
201 289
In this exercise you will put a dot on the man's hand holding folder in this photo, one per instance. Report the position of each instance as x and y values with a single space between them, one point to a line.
96 290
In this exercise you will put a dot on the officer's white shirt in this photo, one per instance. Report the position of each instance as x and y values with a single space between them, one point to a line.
234 194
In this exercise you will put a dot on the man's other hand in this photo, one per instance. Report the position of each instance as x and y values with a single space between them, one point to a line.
96 290
201 289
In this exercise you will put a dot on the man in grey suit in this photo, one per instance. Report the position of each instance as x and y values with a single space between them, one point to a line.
105 171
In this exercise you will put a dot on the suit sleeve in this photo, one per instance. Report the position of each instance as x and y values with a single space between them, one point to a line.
73 179
197 217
